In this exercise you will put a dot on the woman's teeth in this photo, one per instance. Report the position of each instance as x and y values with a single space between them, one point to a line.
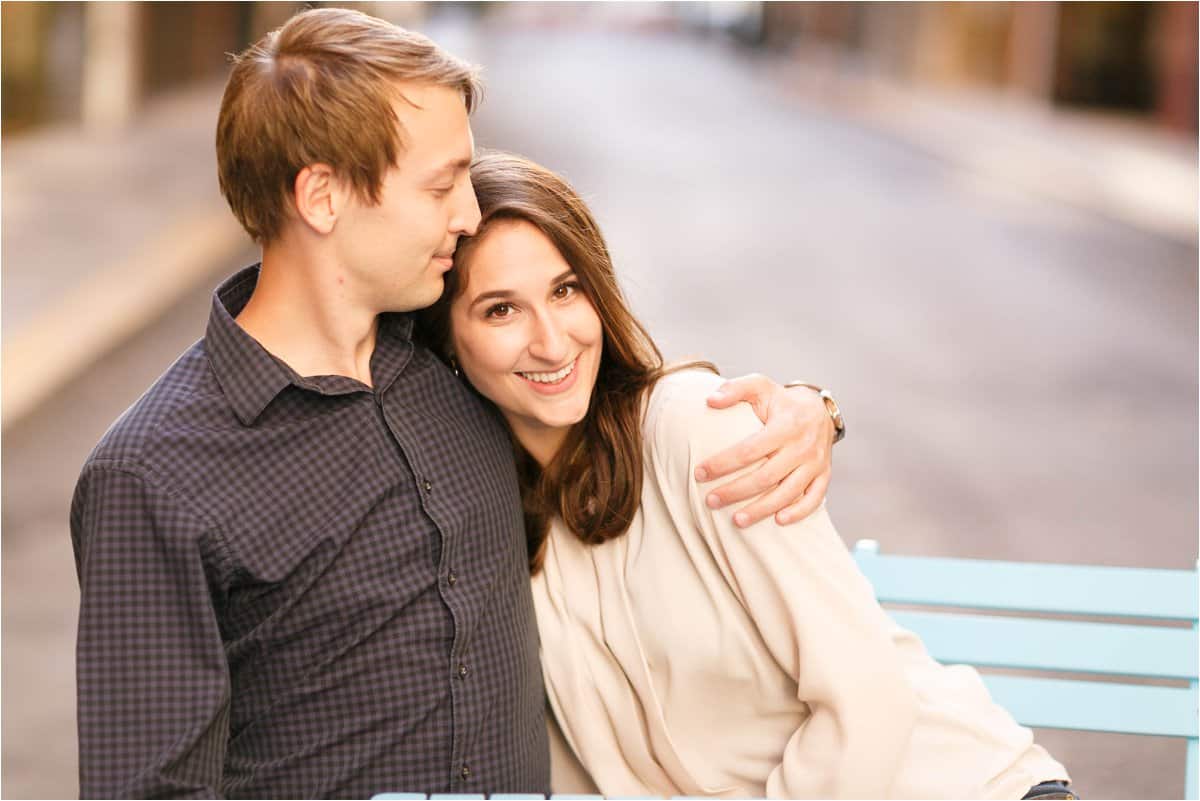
549 378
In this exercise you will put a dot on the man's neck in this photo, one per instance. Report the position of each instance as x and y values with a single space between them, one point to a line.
304 316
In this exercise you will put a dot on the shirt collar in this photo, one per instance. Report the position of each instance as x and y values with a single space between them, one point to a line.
393 349
250 377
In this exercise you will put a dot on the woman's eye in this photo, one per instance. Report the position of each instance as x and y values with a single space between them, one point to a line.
500 310
441 191
565 290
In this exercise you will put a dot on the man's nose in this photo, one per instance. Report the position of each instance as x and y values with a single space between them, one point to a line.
465 219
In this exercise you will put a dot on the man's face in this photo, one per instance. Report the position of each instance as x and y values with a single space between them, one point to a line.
396 253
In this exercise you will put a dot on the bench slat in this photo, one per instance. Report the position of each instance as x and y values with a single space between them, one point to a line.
1064 645
1031 586
1097 706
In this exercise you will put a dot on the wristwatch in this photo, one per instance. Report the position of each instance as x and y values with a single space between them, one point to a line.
831 406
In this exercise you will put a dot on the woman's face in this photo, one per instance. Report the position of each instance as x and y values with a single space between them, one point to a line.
526 335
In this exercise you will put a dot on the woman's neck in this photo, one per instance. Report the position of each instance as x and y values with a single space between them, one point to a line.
542 442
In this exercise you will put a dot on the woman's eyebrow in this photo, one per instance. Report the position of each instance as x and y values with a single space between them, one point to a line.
494 294
504 293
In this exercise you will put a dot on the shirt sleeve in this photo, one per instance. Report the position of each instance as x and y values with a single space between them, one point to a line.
153 681
815 611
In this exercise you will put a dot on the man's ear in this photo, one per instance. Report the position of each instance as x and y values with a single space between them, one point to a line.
320 197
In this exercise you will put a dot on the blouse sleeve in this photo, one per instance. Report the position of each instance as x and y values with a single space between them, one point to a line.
815 611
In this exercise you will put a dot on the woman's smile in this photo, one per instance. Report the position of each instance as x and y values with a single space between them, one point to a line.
551 383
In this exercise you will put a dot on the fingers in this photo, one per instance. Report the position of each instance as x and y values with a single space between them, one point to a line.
813 496
753 389
742 454
753 483
790 490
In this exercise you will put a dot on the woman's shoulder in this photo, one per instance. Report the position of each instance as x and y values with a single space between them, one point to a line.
680 421
683 386
681 394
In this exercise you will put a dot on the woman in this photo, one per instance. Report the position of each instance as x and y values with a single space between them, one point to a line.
682 655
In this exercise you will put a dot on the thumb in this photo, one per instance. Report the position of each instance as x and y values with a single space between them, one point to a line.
725 396
747 389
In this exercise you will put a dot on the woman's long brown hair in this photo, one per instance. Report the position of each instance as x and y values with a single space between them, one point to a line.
594 482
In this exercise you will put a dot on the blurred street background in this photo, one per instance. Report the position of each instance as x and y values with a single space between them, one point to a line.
976 223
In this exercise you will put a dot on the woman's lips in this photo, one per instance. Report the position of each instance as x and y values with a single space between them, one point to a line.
557 388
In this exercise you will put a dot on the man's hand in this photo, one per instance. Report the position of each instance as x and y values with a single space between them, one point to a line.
796 441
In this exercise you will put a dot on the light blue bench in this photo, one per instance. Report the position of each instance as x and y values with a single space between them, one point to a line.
1137 650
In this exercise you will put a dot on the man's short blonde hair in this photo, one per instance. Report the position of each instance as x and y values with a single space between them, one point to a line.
320 90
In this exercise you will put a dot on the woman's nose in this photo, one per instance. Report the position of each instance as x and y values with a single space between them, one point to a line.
549 341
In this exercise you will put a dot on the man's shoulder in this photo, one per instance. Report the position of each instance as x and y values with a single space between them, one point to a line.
185 394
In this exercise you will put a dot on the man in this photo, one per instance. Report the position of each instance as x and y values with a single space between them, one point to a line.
301 553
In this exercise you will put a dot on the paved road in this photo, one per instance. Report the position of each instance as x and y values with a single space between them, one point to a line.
1020 378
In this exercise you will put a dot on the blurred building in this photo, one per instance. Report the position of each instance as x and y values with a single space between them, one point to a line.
1118 56
96 63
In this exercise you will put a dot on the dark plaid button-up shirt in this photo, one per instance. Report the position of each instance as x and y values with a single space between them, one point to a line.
298 587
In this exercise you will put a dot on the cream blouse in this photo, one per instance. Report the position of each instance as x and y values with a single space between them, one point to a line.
690 657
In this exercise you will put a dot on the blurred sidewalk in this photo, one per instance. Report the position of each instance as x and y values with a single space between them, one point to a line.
101 235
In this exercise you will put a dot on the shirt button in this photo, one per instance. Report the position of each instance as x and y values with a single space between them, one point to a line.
465 772
462 670
451 578
428 487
